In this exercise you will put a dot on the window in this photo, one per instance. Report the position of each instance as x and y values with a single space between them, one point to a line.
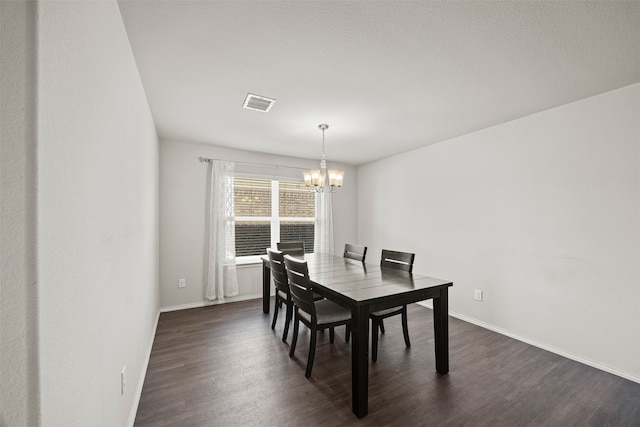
269 211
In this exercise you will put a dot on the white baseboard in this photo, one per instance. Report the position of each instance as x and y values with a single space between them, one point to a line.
143 374
208 303
557 351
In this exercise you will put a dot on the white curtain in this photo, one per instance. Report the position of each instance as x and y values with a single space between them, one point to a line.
222 280
323 234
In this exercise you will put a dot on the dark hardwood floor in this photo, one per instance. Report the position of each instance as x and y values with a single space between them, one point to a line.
223 366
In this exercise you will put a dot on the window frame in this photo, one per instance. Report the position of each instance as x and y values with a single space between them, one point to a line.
275 219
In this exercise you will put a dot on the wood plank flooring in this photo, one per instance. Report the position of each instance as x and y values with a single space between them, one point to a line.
224 366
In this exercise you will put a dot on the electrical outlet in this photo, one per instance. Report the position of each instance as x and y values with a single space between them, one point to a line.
478 295
123 379
182 283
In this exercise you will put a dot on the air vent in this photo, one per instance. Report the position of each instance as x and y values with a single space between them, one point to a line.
258 103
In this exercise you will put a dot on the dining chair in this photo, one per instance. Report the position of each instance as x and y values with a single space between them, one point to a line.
316 315
355 252
295 249
283 293
391 260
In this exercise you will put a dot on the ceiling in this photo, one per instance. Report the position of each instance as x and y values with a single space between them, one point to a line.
387 76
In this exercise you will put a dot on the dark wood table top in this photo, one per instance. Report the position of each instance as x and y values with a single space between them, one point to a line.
365 284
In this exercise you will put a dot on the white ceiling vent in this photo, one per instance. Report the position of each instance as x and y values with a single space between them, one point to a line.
258 103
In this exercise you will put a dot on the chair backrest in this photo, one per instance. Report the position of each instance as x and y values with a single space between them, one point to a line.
355 252
300 284
278 270
397 260
295 249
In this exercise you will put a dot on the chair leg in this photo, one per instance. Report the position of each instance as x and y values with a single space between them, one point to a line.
405 327
276 309
347 334
294 340
287 321
374 339
332 335
312 353
382 326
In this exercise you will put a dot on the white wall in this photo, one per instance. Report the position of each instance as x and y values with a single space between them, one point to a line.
542 213
97 217
183 182
18 310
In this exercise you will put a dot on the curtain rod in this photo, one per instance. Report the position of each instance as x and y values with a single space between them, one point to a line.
207 160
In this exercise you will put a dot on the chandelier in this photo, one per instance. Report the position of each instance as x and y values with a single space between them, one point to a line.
317 178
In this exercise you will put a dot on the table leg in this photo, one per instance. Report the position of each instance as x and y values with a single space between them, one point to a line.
360 360
266 284
441 330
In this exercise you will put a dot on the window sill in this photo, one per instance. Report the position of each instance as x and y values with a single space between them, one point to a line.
249 260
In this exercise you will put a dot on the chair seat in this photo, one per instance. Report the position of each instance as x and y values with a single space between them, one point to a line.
327 312
386 312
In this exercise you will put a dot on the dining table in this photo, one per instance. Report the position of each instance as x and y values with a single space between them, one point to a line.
365 288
